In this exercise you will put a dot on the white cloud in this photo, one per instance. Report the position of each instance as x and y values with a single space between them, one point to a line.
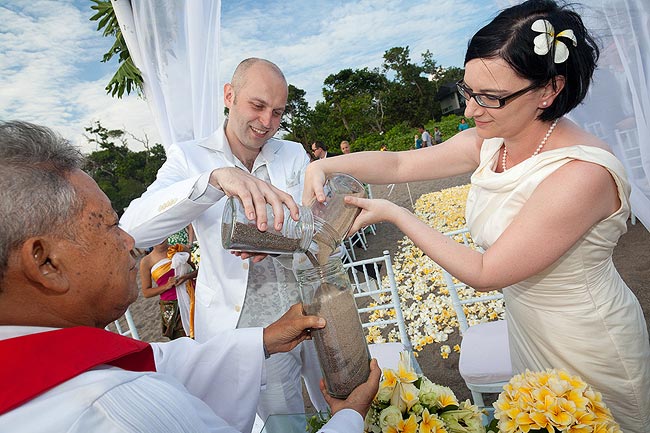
323 38
131 114
47 49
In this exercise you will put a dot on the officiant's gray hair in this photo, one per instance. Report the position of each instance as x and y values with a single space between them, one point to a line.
37 197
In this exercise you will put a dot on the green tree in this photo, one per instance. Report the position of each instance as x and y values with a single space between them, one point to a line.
326 126
411 96
451 75
121 173
296 116
355 98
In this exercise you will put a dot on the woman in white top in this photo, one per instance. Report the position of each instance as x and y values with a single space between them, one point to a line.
548 203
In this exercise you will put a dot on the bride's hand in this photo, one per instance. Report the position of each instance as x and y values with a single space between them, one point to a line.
372 211
313 184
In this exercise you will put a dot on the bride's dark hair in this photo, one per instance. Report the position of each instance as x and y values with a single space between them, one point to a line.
509 36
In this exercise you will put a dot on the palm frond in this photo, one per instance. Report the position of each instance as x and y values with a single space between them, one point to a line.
127 77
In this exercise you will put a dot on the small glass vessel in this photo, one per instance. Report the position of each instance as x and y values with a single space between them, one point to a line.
333 217
341 346
238 233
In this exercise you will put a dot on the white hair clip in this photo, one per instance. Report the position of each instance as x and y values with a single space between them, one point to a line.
544 41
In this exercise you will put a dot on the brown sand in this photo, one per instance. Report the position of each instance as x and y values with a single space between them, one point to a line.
631 256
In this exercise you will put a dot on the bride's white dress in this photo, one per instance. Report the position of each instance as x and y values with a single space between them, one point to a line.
578 314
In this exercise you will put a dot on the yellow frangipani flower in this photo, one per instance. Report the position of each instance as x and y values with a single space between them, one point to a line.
431 423
583 424
410 425
524 421
390 379
508 426
408 394
445 400
553 401
559 417
405 371
540 420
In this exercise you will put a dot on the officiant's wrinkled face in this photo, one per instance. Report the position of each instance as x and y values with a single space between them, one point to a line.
256 103
98 263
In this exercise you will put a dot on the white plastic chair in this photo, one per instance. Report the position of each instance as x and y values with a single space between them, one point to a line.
484 361
628 141
372 227
365 276
129 330
597 129
358 238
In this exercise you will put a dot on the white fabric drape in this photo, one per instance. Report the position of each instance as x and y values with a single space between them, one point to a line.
181 266
175 44
617 108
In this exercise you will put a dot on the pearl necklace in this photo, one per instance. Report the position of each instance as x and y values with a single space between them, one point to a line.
539 148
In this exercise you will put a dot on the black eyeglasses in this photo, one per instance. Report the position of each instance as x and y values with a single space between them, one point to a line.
489 101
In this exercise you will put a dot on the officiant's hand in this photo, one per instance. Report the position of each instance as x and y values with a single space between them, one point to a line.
289 330
255 257
362 396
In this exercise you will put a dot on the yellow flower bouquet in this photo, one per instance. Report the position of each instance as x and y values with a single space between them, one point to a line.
409 403
552 401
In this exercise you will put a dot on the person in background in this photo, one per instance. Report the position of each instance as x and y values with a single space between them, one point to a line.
462 125
158 278
345 147
426 137
547 204
383 148
437 135
418 141
319 150
182 247
243 159
67 270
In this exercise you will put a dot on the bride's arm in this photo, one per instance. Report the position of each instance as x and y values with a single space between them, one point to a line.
458 155
560 211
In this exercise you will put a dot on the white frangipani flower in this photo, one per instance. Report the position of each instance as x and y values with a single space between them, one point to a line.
544 41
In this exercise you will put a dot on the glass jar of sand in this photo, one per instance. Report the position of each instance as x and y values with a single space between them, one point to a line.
341 345
319 231
333 217
238 233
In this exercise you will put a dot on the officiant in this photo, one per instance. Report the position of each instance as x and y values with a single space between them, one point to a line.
66 271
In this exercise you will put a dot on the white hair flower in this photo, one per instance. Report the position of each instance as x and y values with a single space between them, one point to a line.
544 41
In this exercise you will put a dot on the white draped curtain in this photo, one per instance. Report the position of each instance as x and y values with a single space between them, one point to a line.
617 108
175 44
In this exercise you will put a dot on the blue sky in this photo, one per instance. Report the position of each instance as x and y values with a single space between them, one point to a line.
50 69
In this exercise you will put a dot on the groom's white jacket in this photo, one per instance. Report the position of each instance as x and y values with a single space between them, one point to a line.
181 195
